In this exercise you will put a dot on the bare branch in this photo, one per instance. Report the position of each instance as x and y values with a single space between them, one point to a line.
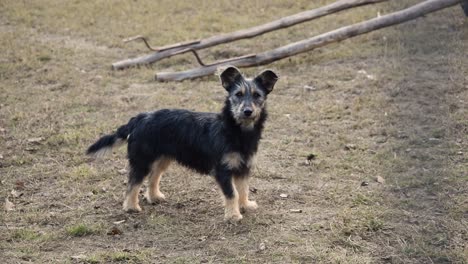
340 34
168 51
173 46
194 52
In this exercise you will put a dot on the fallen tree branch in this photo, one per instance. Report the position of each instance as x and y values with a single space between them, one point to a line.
340 34
168 51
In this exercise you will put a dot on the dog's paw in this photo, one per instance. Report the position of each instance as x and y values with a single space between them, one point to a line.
159 197
232 217
131 208
135 209
250 206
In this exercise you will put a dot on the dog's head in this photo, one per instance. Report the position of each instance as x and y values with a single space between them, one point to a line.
247 96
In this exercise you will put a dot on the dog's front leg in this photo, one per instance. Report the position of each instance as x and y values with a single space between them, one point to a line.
231 196
242 185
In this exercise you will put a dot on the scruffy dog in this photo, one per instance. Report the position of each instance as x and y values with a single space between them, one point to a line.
222 144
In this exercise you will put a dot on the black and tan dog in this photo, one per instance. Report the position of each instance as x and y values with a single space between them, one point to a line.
222 144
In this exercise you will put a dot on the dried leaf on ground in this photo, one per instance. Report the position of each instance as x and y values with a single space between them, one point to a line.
78 257
295 210
119 222
9 206
15 193
35 140
379 179
261 247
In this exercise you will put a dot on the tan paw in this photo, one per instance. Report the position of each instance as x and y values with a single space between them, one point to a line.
158 197
232 217
134 208
250 206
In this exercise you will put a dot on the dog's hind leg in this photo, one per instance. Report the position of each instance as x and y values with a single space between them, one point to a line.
153 194
135 179
231 197
242 186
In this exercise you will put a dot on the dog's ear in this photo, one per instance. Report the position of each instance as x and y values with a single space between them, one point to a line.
230 76
266 80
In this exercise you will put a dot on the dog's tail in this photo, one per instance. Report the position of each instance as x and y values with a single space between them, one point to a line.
105 144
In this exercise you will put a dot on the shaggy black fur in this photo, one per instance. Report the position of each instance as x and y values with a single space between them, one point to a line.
199 140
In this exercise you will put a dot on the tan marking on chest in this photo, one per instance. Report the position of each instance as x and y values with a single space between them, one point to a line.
232 160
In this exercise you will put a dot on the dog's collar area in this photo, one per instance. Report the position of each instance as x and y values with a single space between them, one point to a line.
247 124
247 127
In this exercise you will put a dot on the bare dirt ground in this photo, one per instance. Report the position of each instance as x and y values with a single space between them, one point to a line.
390 105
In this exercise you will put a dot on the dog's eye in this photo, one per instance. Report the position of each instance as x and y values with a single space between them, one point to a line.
256 95
239 94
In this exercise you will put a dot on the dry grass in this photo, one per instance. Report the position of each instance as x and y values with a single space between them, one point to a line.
406 124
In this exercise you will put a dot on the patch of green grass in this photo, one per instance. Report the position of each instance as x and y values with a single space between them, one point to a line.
80 230
374 224
121 256
361 199
82 171
25 235
92 260
361 222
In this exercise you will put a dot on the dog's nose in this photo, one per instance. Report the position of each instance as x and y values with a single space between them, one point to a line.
248 112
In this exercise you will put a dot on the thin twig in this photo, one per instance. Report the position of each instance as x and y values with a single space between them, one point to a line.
174 46
195 53
197 57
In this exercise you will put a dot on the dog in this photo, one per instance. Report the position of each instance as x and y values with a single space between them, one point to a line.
221 144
